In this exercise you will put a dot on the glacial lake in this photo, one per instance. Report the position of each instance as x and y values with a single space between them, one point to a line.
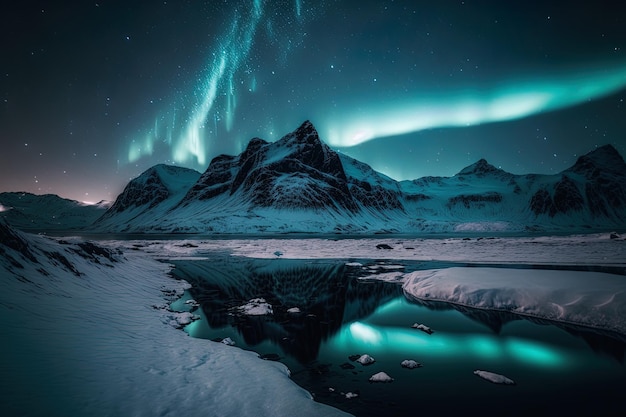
558 369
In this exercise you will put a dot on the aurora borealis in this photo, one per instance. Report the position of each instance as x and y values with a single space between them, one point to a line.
92 94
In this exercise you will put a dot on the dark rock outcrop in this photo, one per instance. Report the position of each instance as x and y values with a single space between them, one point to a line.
475 200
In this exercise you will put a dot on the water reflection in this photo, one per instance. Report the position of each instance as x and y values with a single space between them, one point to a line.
600 341
342 315
327 295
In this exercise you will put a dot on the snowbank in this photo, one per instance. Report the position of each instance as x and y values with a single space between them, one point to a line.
587 298
97 342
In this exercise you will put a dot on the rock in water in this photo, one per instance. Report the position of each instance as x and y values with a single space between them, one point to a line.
381 377
366 360
423 328
410 364
495 378
228 341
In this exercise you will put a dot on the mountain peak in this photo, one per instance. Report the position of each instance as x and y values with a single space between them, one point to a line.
481 167
605 156
306 128
153 186
304 134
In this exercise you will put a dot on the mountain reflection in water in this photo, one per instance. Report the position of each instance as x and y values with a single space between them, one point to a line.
326 293
556 366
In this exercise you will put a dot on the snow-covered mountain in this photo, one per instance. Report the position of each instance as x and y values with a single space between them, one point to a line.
48 212
589 195
299 184
148 196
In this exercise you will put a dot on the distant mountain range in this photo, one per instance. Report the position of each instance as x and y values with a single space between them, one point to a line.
28 211
299 184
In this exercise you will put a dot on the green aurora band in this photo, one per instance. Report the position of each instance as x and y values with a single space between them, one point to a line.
514 99
187 129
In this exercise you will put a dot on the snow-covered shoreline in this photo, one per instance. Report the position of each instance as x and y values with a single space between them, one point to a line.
89 334
591 249
591 299
537 256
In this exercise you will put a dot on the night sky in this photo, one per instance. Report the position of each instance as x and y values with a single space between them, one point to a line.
94 93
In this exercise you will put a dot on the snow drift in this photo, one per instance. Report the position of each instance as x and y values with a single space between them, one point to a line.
85 331
593 299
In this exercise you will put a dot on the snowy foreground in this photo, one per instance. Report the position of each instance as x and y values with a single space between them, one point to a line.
87 333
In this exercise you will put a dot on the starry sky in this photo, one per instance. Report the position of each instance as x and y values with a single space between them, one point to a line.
94 93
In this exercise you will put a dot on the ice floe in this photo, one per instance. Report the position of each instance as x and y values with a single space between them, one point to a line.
381 377
423 328
366 360
192 303
410 364
495 378
181 319
228 341
255 307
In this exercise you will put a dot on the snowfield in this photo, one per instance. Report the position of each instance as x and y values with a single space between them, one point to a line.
86 330
86 335
592 249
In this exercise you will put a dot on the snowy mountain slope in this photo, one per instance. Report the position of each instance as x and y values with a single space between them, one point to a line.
85 330
483 197
299 184
47 212
155 191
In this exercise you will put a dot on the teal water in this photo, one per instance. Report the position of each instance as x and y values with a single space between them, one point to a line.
557 370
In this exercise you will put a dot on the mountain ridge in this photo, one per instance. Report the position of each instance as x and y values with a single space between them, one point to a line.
29 211
299 184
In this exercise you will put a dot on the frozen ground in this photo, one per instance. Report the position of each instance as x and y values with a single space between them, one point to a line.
88 334
92 336
593 249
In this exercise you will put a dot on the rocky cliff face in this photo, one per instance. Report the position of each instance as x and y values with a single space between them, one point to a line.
298 171
147 189
595 183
